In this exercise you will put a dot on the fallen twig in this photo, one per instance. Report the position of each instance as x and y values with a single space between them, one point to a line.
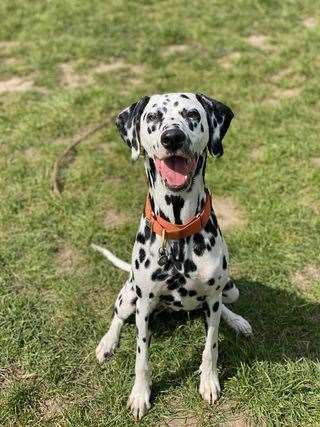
57 165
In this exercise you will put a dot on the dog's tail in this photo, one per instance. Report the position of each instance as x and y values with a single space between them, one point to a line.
112 258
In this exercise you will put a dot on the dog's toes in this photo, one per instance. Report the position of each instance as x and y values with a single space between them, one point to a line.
243 327
209 387
105 349
139 401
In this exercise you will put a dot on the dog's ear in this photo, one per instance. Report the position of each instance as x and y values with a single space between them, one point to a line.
219 117
128 124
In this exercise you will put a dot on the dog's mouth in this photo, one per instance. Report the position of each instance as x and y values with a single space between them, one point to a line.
176 171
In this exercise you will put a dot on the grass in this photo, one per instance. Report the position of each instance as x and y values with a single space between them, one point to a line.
57 295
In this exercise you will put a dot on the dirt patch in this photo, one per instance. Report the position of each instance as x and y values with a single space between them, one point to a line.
114 218
15 84
6 46
279 95
239 420
228 214
51 408
183 421
260 41
31 154
107 68
316 162
174 48
66 259
306 278
71 79
229 60
118 65
310 22
257 154
12 62
14 373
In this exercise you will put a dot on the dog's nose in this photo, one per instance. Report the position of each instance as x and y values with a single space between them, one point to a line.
172 139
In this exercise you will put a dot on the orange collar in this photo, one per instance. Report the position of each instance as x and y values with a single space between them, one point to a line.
171 231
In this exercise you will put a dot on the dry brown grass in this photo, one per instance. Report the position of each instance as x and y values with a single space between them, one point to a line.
228 213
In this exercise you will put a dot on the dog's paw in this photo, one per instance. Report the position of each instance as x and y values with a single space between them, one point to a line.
242 326
106 348
209 387
139 400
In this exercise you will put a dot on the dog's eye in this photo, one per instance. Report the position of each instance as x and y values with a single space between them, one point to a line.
193 115
151 117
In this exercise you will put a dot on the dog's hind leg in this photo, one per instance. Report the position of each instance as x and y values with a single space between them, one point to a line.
236 322
125 305
230 293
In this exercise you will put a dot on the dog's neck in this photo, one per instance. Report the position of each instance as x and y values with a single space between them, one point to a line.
177 207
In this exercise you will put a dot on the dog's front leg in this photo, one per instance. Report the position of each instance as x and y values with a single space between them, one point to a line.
209 381
139 399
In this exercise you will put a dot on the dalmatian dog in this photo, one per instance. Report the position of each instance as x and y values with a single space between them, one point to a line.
174 132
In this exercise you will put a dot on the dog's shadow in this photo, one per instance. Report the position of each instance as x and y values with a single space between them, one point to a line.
285 326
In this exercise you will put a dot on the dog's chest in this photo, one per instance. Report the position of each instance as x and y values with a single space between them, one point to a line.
190 274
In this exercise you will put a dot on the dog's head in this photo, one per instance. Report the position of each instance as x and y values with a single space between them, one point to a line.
173 130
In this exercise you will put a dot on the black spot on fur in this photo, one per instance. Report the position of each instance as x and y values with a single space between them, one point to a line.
177 204
138 291
205 308
167 298
152 170
141 238
147 263
151 295
192 293
210 228
212 241
184 96
159 275
199 244
183 292
189 266
137 264
139 350
215 306
177 303
147 231
134 300
144 339
201 127
199 165
142 254
201 298
228 286
163 215
224 262
211 282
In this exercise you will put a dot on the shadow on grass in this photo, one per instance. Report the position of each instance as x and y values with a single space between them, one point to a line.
285 326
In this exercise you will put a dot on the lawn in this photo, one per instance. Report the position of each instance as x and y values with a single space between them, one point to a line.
67 65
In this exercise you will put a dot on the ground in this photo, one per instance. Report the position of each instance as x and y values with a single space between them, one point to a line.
64 67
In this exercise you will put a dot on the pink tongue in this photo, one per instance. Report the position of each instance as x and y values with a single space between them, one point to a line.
174 170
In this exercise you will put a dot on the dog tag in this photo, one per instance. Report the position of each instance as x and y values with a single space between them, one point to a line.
163 257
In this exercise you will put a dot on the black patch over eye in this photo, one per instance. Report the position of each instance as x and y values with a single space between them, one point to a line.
151 117
194 115
154 117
